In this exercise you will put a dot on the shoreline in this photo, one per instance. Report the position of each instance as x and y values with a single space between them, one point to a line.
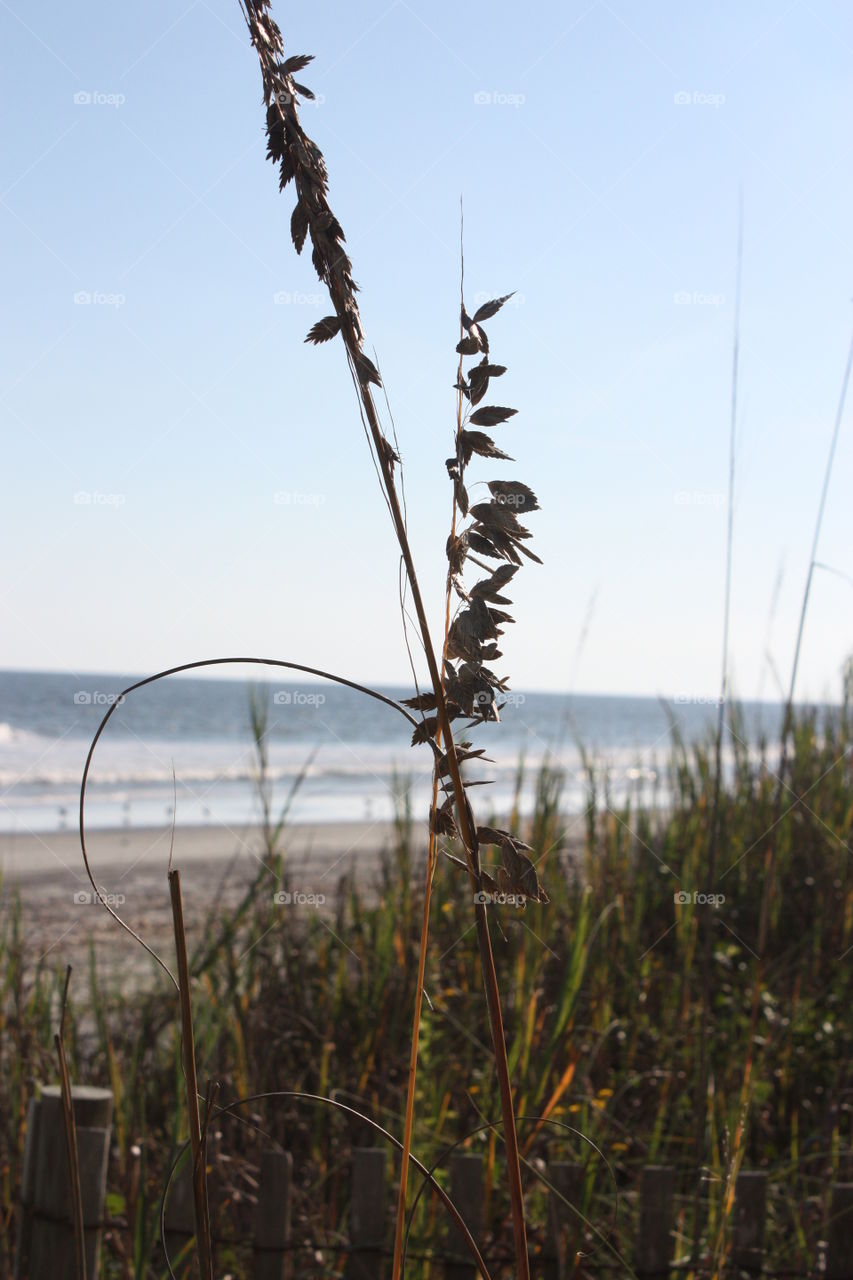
61 918
27 855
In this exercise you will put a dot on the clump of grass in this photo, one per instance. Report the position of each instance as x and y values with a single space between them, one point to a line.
603 1024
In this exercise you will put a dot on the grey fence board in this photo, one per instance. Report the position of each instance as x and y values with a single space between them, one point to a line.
368 1213
750 1215
45 1248
45 1235
466 1192
272 1221
564 1228
654 1239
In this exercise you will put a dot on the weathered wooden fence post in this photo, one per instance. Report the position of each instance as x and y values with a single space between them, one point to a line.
839 1254
367 1215
272 1223
750 1215
45 1249
567 1180
466 1192
654 1239
28 1189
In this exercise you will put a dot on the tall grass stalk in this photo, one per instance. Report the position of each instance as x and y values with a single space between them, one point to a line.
706 913
813 561
301 161
408 1121
787 724
432 850
772 834
204 1243
71 1140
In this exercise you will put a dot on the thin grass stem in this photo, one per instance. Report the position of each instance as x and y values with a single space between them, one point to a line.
71 1140
204 1244
706 911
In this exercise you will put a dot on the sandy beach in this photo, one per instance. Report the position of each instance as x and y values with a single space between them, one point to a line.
130 867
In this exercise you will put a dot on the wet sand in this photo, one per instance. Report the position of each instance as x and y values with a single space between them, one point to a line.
60 916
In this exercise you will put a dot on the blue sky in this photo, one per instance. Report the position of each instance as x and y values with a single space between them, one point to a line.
599 148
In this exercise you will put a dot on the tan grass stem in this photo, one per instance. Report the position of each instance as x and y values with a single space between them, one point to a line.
71 1141
204 1243
408 1122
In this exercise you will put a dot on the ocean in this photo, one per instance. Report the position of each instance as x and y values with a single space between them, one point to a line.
183 749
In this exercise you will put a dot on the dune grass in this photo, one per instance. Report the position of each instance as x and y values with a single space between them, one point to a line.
603 1011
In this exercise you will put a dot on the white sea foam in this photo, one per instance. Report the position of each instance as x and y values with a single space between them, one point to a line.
352 753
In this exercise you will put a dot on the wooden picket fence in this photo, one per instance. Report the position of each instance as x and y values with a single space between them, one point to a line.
45 1241
370 1198
45 1244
